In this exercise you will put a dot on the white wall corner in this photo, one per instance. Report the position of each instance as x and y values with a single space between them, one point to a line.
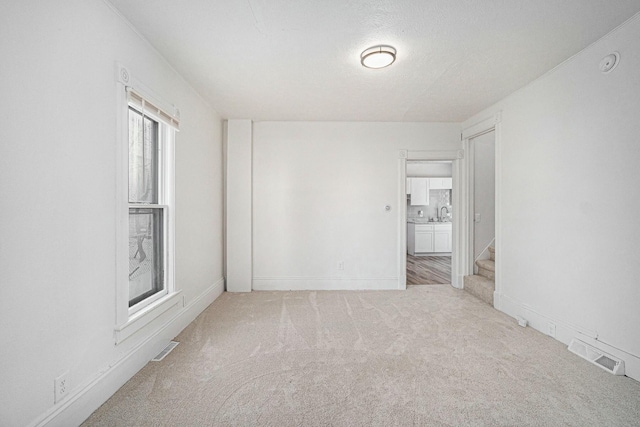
485 125
402 219
497 300
402 282
239 206
458 280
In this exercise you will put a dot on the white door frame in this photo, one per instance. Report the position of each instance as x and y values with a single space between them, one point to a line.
492 123
460 198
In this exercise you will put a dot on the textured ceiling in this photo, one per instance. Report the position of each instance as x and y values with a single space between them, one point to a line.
300 60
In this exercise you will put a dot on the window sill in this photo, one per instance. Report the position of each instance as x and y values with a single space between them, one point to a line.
145 316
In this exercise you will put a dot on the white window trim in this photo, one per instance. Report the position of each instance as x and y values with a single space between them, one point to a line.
131 320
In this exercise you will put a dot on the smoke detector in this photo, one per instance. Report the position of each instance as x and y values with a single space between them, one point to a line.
609 62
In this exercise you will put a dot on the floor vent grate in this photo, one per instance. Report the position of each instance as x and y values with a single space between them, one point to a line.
597 357
608 363
166 351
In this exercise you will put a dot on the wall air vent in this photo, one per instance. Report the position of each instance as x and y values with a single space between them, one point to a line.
166 351
597 357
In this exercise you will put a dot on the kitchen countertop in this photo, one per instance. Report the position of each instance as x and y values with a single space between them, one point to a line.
426 221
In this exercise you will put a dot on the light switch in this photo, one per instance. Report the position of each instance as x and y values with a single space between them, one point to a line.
477 217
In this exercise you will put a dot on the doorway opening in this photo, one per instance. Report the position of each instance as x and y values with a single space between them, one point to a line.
429 215
483 188
480 280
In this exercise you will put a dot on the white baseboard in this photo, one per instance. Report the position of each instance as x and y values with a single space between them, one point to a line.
322 284
85 399
496 301
458 281
402 282
564 331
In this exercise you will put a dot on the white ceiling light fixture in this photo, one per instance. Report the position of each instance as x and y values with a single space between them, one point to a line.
378 56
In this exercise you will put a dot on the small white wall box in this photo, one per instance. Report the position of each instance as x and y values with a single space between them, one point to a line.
522 321
597 357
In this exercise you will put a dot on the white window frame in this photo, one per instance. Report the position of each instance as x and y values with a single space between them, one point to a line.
131 319
165 164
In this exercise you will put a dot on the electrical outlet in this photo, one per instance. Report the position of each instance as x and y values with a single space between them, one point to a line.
61 387
552 329
341 265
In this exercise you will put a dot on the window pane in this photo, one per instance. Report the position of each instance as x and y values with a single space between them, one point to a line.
146 257
143 159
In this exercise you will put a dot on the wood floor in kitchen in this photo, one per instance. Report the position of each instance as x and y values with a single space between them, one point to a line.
428 270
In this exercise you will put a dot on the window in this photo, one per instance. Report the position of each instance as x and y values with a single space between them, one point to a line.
146 210
150 134
145 248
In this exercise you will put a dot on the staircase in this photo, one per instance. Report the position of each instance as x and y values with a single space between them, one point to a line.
483 284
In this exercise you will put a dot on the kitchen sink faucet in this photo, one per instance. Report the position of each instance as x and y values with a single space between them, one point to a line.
444 207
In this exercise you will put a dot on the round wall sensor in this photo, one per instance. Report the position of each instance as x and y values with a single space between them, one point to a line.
609 62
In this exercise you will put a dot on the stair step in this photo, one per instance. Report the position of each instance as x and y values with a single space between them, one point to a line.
492 253
491 275
486 264
480 287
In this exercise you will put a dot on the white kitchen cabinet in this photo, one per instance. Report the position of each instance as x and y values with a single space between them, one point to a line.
419 188
442 238
440 183
419 191
411 238
424 238
429 238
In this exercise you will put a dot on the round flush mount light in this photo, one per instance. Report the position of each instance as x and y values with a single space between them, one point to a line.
378 57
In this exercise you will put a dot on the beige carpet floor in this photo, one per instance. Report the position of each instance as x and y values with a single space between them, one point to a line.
428 356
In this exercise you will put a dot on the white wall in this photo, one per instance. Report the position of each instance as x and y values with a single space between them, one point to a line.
484 185
319 195
238 206
57 193
569 155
